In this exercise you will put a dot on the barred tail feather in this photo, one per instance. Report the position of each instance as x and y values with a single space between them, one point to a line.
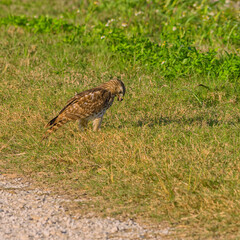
54 125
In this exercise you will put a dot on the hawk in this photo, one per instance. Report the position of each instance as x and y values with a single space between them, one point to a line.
89 105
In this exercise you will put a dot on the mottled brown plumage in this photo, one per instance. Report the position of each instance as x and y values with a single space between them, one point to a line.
89 105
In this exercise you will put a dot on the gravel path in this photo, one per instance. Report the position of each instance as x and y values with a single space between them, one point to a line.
35 214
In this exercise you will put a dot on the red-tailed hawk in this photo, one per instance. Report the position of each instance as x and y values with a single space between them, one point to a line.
89 105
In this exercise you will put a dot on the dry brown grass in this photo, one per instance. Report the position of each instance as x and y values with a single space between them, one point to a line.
162 158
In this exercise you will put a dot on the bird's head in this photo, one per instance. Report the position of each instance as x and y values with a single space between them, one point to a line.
120 90
116 87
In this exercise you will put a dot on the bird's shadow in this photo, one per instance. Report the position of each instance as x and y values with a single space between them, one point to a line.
198 120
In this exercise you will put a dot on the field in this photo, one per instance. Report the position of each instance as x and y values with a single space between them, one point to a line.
170 151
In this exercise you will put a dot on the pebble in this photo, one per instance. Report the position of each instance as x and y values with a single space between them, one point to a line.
34 214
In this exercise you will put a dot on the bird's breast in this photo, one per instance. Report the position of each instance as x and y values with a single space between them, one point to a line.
97 114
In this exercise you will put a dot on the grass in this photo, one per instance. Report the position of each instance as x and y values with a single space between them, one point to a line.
169 151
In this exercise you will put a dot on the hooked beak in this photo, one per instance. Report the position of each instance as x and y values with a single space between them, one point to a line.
120 98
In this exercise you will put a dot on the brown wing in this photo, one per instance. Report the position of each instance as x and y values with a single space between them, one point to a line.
86 103
82 105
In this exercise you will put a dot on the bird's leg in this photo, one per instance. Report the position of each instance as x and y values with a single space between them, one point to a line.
82 124
97 123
